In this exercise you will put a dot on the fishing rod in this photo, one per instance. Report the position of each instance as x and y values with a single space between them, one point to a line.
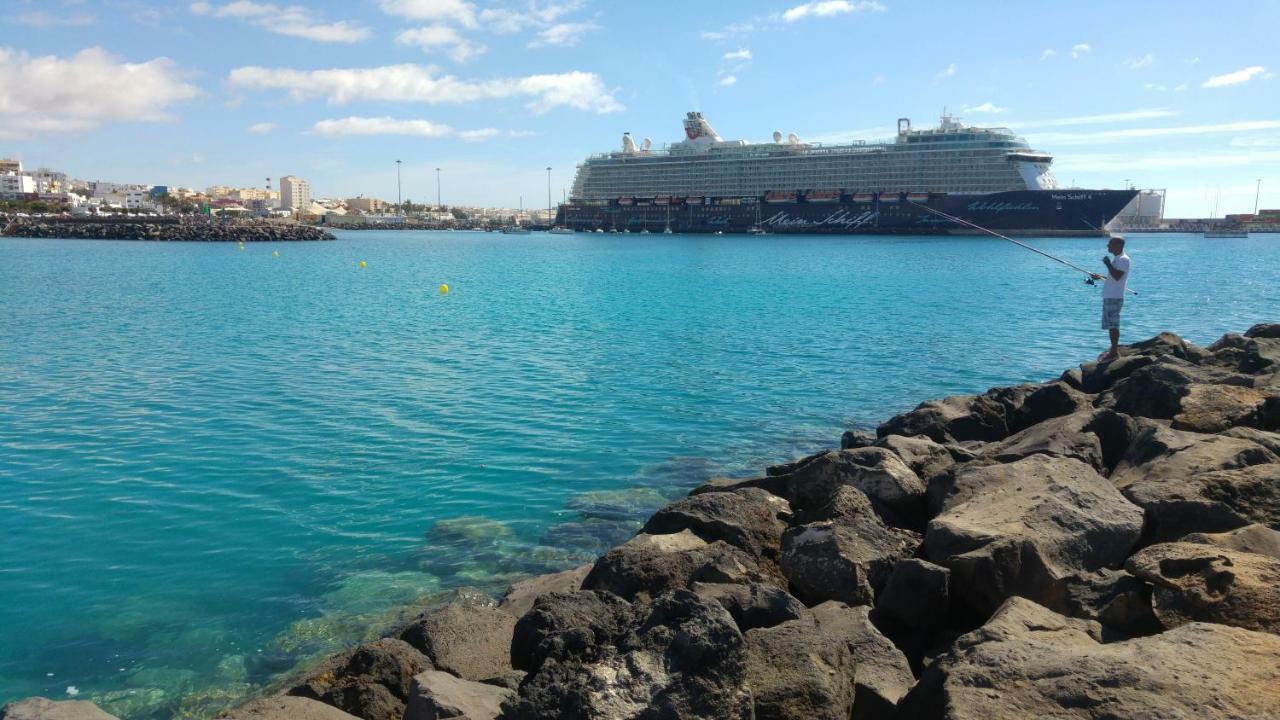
1036 250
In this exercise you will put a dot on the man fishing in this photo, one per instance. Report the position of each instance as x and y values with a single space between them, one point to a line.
1113 289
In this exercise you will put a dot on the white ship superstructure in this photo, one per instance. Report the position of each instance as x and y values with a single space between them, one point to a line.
952 158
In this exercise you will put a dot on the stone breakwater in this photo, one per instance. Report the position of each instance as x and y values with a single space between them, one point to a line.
168 232
1104 545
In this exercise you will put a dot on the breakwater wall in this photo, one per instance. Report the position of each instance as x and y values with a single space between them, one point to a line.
1102 545
165 230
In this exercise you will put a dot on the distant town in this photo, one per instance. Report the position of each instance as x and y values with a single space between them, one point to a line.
45 191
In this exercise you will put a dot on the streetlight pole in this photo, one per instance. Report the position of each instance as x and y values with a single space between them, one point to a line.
399 202
549 218
1256 194
438 203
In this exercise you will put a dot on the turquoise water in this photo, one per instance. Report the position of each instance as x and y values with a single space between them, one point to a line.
215 463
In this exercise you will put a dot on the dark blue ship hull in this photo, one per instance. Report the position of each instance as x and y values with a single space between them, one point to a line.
1018 212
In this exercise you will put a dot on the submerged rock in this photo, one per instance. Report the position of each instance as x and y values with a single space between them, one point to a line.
38 708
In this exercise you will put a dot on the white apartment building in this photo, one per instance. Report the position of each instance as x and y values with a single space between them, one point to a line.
13 184
295 193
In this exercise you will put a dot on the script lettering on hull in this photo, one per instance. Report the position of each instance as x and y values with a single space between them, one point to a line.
999 207
841 218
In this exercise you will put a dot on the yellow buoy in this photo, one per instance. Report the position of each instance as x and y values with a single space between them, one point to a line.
362 263
275 253
444 289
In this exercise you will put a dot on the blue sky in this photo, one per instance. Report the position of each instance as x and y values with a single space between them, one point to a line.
1176 95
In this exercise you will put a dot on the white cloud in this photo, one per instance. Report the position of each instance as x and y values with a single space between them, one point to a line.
1235 78
1155 87
1139 63
418 83
374 126
727 81
1181 88
503 20
986 107
1255 141
739 54
48 94
42 19
825 8
563 34
948 71
1048 53
458 11
262 128
1080 49
713 35
1194 61
443 38
1109 136
1098 119
294 21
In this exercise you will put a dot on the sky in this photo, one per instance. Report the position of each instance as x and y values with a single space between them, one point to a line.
1176 94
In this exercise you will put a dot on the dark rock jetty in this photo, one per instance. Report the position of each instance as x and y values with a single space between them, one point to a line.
1104 545
170 231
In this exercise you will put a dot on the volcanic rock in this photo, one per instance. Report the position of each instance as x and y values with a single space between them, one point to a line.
750 519
917 594
521 595
438 695
1025 527
754 605
1258 539
798 671
649 565
882 676
1028 662
38 708
589 619
877 472
470 641
286 707
1196 582
371 681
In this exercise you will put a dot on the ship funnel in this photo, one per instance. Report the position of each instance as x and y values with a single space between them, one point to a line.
904 125
646 144
696 126
777 136
793 139
628 145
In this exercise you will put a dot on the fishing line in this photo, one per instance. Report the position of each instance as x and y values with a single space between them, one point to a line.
1036 250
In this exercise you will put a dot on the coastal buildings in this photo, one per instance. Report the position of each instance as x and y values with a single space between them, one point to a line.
366 205
295 193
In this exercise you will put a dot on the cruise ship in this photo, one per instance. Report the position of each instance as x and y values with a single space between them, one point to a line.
987 176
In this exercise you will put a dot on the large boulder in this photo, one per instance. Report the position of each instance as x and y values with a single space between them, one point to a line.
983 417
883 675
1028 662
847 558
650 565
38 708
521 595
925 457
750 519
1114 598
371 680
1096 437
1188 482
682 658
1263 330
283 707
1258 539
796 671
1025 527
1213 408
1100 376
1049 401
754 605
469 640
438 695
589 618
879 473
1196 582
917 594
